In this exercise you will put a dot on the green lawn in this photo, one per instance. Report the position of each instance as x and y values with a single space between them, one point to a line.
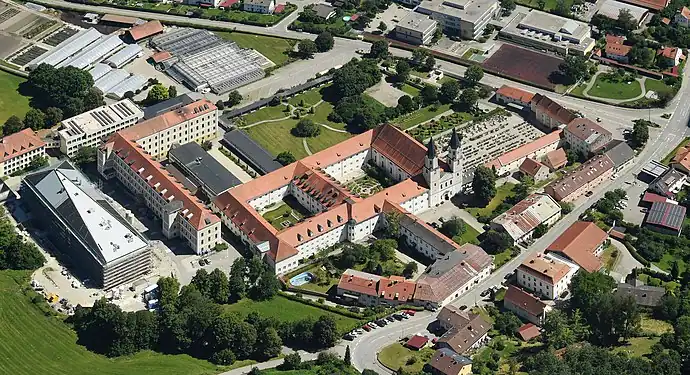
502 258
281 214
397 356
410 90
655 327
502 192
470 235
419 116
671 154
11 101
577 91
31 343
275 49
548 6
609 257
637 346
656 85
604 88
321 113
417 73
266 113
667 260
286 310
310 97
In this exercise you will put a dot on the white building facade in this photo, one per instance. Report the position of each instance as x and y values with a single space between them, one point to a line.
18 150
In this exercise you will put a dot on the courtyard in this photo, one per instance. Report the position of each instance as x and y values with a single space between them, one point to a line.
364 186
285 214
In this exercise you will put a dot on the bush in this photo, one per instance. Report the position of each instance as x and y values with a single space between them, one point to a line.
224 357
306 128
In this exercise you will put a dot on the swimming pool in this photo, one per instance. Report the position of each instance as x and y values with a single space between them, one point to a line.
301 279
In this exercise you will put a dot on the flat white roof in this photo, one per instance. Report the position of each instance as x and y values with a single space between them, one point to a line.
100 118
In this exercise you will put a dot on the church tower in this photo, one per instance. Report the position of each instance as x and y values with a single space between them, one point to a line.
432 172
455 158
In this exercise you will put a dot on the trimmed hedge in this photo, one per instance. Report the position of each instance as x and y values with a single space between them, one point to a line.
636 255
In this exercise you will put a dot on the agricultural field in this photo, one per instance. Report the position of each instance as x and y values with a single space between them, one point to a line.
32 343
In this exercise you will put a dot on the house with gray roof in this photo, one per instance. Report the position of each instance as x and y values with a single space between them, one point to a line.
620 153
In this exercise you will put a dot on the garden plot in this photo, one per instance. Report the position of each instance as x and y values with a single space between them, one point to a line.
365 186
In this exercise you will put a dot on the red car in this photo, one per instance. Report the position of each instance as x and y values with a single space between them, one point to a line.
366 328
410 312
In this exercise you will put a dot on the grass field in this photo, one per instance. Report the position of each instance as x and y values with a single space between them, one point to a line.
275 49
655 327
287 310
656 85
667 260
397 356
502 192
637 346
549 4
502 258
410 90
31 343
604 88
309 97
469 236
276 216
266 113
11 101
419 116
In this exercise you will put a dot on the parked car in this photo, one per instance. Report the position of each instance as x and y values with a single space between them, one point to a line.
410 312
390 318
381 323
372 325
359 331
398 316
485 293
463 307
405 315
348 337
589 193
366 328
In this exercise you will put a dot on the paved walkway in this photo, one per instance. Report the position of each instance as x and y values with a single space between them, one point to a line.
306 356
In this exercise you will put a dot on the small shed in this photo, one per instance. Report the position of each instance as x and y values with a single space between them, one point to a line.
416 342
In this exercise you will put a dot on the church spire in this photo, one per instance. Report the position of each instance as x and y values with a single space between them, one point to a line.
454 140
431 149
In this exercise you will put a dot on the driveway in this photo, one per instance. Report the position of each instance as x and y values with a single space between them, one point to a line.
625 263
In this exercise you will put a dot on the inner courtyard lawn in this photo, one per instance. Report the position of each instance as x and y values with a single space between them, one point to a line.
604 88
11 101
31 343
420 116
398 356
502 193
276 137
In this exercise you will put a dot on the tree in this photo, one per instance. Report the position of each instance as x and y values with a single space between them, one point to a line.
541 4
385 249
157 94
453 227
574 68
469 97
429 63
382 26
172 91
325 332
369 372
268 344
626 21
392 229
507 323
429 94
37 162
379 49
219 286
355 77
642 56
402 69
405 104
484 184
12 125
450 90
540 230
254 269
675 270
234 98
348 359
410 269
306 128
53 116
202 282
557 332
267 287
306 48
285 158
291 361
508 6
220 105
224 357
474 74
640 134
566 208
419 55
494 242
67 88
34 119
324 41
85 155
562 8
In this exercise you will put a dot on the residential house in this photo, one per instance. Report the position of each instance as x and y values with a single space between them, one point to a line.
417 342
525 305
682 18
577 183
528 331
645 295
507 94
372 290
520 221
467 330
556 159
582 243
669 183
547 275
259 6
621 154
510 161
681 160
549 113
585 136
19 150
616 49
324 11
536 170
665 217
669 56
447 362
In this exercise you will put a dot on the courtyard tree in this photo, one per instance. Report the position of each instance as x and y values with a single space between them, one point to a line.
172 91
507 323
508 6
85 155
468 99
405 104
474 74
626 21
494 242
35 119
306 48
429 94
324 41
12 125
382 27
450 90
220 105
285 158
455 226
639 134
484 184
53 116
392 224
402 70
379 49
306 128
419 55
410 269
156 94
574 68
267 287
234 98
429 63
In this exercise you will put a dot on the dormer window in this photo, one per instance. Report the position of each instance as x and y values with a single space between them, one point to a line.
329 223
319 227
340 219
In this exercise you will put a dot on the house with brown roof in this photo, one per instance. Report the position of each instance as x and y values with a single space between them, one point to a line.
546 275
146 30
525 305
319 183
586 136
469 332
549 113
508 94
511 160
18 150
616 49
682 18
556 159
669 56
528 332
520 220
649 4
577 183
536 170
452 276
681 160
582 243
447 362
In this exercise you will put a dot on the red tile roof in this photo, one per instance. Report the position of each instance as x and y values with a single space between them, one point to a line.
397 288
279 9
515 93
650 197
668 52
161 56
682 157
361 285
18 144
556 159
400 148
168 120
619 49
529 331
552 108
524 301
649 4
530 167
545 269
579 243
193 210
526 149
666 21
227 3
416 342
146 30
685 12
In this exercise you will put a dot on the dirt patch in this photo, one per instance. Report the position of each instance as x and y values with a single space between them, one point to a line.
76 19
525 65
